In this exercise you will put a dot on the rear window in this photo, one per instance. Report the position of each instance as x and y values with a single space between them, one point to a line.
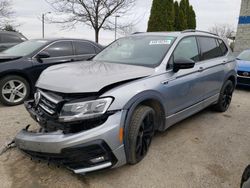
209 48
223 47
83 48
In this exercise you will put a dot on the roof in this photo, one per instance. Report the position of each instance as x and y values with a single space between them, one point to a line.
178 33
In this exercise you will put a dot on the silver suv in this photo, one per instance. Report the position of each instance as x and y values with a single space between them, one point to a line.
103 113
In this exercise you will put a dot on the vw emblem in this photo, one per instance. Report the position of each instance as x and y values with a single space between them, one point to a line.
37 97
245 74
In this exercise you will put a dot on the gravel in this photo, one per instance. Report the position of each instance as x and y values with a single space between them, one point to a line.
208 150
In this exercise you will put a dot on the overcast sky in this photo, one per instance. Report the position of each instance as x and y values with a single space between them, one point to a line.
208 13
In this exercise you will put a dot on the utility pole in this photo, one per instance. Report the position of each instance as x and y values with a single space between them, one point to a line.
117 16
43 18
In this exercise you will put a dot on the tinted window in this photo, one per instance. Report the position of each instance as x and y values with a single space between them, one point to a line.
8 38
209 48
187 49
84 48
60 49
137 50
223 47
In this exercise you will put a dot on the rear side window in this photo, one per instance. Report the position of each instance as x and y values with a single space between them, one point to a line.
209 48
8 38
223 47
83 48
187 49
60 49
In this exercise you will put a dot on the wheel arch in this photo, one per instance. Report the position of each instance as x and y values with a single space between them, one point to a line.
151 99
232 76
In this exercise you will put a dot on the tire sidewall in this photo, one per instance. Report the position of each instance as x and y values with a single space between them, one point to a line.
4 80
219 106
133 130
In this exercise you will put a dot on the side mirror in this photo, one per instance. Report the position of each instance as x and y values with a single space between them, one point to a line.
183 63
42 55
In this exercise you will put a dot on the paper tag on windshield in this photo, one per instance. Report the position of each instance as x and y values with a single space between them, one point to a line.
160 42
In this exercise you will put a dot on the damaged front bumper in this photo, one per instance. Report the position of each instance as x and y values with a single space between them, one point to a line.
85 151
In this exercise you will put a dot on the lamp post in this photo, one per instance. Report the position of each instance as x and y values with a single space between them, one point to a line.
43 17
117 16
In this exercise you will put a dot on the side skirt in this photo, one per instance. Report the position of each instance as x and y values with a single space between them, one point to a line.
179 116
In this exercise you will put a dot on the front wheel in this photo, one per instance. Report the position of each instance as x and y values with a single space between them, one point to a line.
140 133
225 97
14 90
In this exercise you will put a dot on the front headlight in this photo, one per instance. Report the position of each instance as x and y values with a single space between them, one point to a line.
84 110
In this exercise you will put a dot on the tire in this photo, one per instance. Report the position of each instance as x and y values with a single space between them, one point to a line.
245 176
225 97
140 133
14 90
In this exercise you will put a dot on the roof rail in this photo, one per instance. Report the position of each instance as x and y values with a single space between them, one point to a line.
193 30
137 33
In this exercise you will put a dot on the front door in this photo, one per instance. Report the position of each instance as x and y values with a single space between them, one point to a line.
59 52
183 89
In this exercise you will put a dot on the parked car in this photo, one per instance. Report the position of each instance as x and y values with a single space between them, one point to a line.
104 113
9 39
21 65
243 61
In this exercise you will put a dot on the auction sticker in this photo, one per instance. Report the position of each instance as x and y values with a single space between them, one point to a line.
160 42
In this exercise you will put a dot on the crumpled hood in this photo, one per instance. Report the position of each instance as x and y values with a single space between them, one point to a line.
89 76
243 65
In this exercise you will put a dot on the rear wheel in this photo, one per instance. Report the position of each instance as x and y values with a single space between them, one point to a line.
14 90
225 97
140 134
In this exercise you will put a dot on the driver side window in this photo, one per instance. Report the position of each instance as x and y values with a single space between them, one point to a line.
186 49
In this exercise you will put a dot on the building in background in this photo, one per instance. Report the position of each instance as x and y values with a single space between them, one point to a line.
243 32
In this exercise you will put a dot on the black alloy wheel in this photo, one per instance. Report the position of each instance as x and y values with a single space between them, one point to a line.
140 133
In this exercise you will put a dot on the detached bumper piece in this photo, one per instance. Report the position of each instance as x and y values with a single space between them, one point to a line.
80 159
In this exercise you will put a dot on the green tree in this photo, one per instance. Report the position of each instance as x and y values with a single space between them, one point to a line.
191 18
183 14
157 19
177 23
169 15
162 16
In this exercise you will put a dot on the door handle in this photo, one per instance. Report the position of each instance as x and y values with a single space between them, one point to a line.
201 69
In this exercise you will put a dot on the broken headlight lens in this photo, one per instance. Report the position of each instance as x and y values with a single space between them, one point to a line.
84 110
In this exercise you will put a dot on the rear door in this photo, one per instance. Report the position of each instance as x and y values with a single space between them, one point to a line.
212 64
84 50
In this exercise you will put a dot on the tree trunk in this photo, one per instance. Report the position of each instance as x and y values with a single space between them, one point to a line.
97 35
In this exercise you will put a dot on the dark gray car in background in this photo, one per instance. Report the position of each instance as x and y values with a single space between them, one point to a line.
103 113
21 65
9 39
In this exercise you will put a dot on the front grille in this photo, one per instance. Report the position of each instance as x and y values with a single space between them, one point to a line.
47 103
244 73
244 81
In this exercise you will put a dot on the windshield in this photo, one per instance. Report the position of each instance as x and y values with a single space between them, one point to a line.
137 50
25 48
245 55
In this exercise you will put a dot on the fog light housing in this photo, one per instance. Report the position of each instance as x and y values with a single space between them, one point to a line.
98 159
